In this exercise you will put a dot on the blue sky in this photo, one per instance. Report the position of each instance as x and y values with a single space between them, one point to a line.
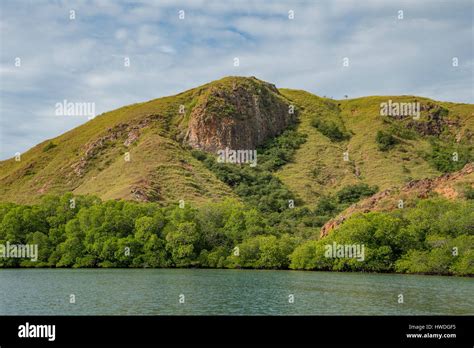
81 60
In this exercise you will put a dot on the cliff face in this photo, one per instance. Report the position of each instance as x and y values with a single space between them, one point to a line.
238 113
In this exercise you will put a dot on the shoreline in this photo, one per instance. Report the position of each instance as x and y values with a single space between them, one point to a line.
236 269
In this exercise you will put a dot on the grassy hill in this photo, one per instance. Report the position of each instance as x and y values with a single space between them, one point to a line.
318 167
327 171
90 159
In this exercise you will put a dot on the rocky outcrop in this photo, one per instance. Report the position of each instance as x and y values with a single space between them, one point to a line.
444 185
241 114
128 132
434 122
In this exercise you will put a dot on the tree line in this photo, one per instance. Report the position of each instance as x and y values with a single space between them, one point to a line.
435 237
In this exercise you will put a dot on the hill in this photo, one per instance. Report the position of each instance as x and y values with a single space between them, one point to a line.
239 113
238 173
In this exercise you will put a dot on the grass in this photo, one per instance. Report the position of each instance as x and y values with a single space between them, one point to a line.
318 168
162 166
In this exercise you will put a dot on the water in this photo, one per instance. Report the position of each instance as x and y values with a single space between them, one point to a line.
228 292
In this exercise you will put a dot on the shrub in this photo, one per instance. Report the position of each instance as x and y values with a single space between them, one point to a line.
49 146
448 158
353 193
385 141
258 186
469 192
330 130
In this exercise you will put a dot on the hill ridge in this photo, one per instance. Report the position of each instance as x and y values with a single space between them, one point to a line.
159 136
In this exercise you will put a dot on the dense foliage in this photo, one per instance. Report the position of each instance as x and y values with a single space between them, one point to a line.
266 228
83 231
385 141
257 185
353 193
469 192
449 157
435 237
330 206
330 130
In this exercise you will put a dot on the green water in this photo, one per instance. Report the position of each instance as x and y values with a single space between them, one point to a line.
228 292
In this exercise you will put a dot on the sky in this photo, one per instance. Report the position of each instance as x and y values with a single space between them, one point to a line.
80 56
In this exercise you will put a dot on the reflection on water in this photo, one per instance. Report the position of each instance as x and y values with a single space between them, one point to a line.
227 292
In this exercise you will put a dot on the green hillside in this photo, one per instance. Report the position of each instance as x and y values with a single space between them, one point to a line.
90 159
319 169
326 168
158 163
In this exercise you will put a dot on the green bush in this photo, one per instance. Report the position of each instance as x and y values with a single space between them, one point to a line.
49 146
258 186
469 192
449 158
353 193
330 130
385 141
280 150
435 237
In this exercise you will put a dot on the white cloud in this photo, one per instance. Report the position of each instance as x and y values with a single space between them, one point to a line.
83 59
121 34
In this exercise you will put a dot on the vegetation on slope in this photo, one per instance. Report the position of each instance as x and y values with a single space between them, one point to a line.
256 185
435 237
338 153
91 233
405 149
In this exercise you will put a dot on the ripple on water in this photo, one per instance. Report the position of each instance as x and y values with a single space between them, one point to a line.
229 292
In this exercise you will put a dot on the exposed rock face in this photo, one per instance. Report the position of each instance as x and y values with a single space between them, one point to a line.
443 185
435 121
129 132
241 115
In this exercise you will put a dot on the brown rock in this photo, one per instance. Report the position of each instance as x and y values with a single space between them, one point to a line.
238 118
443 185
